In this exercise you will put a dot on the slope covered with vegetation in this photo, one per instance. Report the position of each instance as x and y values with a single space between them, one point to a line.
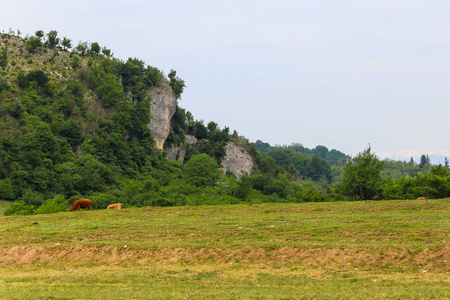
74 124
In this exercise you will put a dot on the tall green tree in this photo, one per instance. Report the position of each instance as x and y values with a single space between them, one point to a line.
362 177
425 162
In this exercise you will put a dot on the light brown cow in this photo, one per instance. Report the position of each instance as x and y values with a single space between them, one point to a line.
115 206
83 203
421 198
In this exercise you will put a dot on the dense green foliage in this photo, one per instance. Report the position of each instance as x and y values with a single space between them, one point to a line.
333 157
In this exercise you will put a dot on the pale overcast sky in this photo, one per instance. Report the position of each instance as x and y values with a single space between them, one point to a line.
338 73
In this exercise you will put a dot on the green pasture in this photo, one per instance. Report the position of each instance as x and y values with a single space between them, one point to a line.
338 250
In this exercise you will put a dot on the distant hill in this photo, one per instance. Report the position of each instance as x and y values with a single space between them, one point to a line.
333 157
436 156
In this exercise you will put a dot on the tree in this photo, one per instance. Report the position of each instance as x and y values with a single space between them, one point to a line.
106 51
244 187
81 48
424 162
33 43
362 177
95 48
52 39
40 77
39 34
201 170
66 43
176 83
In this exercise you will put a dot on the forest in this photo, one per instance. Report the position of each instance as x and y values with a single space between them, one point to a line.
74 124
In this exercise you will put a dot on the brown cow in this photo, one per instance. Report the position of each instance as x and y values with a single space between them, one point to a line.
421 198
83 203
115 206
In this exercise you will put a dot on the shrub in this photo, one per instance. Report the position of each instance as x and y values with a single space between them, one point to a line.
201 170
54 205
19 208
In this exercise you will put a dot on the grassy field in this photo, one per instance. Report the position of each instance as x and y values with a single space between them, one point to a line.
341 250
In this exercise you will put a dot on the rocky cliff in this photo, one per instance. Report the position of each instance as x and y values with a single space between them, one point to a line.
237 160
162 107
178 152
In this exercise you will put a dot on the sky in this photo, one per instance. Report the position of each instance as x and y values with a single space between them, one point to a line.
338 73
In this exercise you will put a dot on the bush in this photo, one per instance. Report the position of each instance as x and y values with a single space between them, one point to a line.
102 200
19 208
201 170
309 193
54 205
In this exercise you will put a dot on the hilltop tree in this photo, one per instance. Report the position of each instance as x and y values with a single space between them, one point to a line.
95 48
362 177
176 83
34 42
81 48
39 34
66 43
52 39
106 52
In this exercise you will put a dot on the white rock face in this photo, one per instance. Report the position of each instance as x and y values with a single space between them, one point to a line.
162 107
191 140
237 160
178 152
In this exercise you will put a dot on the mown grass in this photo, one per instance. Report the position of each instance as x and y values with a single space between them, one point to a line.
341 250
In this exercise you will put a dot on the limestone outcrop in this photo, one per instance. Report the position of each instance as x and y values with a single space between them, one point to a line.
237 160
162 108
163 105
178 152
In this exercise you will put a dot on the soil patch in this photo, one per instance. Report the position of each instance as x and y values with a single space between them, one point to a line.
403 259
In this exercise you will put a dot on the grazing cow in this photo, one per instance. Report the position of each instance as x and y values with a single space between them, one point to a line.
83 203
421 198
115 206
